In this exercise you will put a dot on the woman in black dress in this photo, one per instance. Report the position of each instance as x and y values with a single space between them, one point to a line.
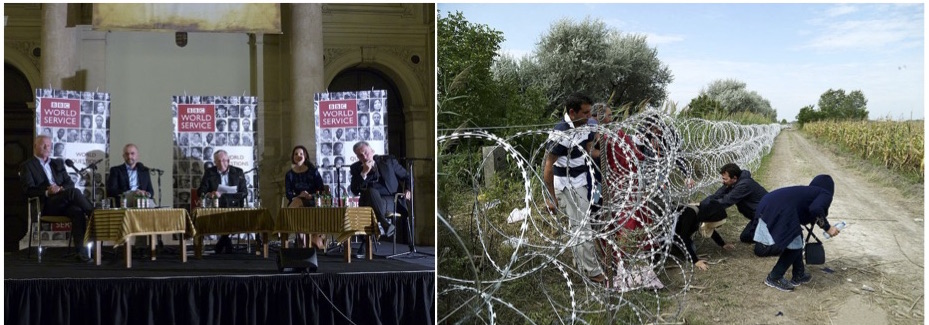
302 183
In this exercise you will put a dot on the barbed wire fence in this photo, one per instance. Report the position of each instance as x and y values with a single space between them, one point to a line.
498 266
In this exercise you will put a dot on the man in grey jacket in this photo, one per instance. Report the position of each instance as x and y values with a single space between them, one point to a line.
740 189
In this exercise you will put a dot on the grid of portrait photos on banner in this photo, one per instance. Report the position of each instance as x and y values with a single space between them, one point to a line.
78 124
204 125
343 119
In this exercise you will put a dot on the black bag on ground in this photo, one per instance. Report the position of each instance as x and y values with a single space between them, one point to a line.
815 253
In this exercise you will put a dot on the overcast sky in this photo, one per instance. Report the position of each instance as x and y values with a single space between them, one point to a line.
788 53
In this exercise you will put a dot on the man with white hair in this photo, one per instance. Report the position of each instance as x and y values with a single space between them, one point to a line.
224 174
47 179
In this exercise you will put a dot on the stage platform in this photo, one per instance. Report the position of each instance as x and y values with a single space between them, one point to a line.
226 289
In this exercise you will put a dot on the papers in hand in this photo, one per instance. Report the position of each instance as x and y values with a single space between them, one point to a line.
225 189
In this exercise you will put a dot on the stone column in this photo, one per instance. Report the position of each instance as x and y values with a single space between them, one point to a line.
59 48
307 71
420 137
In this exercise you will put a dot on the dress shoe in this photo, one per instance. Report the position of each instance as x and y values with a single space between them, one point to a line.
83 258
391 230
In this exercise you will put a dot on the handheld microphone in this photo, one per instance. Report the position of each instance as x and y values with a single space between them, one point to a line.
70 163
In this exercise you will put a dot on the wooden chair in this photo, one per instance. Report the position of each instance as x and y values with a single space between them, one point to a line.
35 207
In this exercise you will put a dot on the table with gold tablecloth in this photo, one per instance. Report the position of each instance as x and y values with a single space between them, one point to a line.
345 222
120 225
212 221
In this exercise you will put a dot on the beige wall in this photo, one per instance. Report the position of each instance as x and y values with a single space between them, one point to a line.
143 71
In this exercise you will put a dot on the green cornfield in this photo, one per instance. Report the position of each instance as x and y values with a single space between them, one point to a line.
897 145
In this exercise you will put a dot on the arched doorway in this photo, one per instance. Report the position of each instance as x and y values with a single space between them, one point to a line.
353 79
366 78
18 131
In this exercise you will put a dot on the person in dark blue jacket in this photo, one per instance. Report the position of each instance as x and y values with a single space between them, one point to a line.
741 190
780 215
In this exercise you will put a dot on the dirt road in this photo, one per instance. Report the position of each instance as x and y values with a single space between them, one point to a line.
876 264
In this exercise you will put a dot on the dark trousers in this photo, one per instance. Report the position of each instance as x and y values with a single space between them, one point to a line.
381 204
789 257
72 204
748 234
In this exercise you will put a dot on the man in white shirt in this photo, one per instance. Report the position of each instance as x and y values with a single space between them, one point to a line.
224 174
48 180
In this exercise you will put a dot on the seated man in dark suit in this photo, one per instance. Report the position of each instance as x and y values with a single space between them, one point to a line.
377 179
47 179
131 176
223 174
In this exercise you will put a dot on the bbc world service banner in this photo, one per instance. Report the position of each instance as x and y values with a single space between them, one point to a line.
204 125
343 119
78 124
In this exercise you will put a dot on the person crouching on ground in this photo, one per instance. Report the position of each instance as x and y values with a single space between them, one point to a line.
741 190
780 215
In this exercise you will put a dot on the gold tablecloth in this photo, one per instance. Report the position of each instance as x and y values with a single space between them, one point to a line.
232 220
345 222
118 224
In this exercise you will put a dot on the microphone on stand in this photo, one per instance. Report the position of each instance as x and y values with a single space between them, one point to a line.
70 163
159 171
93 165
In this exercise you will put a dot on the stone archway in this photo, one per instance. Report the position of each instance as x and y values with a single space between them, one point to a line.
393 63
27 65
18 134
404 67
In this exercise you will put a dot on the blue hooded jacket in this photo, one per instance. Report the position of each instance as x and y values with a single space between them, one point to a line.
785 209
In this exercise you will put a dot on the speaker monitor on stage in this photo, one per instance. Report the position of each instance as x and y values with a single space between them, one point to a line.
295 260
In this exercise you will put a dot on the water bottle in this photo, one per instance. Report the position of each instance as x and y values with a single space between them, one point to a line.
125 201
841 225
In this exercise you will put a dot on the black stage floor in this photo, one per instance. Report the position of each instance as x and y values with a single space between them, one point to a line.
226 289
57 263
